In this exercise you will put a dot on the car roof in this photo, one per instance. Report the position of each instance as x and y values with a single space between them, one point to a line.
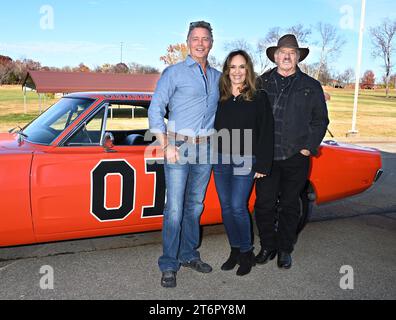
113 95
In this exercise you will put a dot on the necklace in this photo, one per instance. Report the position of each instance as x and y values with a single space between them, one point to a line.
235 97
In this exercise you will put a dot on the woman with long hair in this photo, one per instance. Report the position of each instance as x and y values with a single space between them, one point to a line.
244 125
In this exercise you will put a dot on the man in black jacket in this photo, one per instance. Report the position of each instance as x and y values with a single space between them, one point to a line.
301 120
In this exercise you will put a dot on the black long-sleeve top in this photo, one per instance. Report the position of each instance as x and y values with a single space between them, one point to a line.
256 115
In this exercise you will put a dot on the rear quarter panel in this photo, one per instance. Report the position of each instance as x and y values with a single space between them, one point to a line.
343 170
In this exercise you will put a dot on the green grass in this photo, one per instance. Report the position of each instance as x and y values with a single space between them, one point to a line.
376 116
18 117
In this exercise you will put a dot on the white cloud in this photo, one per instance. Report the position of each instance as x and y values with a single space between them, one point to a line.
74 47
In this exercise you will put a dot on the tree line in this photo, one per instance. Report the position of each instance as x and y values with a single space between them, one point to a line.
14 72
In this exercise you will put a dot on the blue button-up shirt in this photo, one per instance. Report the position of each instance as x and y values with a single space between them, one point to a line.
191 97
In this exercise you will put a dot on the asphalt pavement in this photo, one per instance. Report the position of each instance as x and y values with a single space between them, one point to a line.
347 252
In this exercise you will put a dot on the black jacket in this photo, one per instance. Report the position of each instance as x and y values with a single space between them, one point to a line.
305 118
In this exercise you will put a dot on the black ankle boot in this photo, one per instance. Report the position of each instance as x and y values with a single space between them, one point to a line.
232 261
265 255
246 261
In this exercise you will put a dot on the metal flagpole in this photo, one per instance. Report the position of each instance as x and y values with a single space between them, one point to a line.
358 67
24 100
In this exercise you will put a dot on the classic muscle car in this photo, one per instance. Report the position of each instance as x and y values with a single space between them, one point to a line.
68 174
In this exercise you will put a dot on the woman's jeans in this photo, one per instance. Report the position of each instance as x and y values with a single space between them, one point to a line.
234 180
186 183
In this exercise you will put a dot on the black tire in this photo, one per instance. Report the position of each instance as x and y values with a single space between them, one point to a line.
306 204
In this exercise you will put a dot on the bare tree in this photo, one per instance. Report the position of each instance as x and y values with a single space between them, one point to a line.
142 69
241 44
309 69
270 39
382 38
344 78
120 68
302 34
272 36
325 76
81 68
392 83
215 63
331 44
347 76
3 74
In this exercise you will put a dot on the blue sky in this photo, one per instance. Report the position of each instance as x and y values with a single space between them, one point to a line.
91 31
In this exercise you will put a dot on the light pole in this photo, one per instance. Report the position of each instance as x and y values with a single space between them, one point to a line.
354 131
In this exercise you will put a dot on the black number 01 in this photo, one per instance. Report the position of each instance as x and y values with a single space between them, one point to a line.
128 189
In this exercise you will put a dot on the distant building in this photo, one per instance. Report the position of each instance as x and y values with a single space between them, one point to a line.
59 82
336 84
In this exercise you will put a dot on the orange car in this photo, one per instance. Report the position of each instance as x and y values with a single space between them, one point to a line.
69 174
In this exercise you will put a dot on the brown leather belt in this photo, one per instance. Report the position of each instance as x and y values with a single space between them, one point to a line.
188 139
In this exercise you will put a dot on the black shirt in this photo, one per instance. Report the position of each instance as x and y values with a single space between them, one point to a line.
244 119
283 86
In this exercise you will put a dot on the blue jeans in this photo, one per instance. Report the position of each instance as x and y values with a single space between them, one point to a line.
234 186
186 183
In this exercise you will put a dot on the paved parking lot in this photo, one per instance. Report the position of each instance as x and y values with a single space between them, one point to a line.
125 267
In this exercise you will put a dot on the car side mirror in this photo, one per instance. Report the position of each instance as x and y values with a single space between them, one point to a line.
108 142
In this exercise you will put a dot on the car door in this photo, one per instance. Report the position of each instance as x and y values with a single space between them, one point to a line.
81 189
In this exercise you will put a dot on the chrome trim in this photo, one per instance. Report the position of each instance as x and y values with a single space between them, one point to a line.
331 142
378 174
104 123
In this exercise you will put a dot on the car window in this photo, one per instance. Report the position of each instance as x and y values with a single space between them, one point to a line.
49 125
126 117
68 118
90 132
128 123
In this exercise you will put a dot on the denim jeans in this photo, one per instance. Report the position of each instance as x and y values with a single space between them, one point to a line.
234 186
186 183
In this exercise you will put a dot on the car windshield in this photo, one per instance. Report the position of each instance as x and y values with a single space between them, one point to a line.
51 123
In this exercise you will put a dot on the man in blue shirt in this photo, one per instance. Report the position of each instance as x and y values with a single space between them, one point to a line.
190 90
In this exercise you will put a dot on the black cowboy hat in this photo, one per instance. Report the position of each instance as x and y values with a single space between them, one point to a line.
287 41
